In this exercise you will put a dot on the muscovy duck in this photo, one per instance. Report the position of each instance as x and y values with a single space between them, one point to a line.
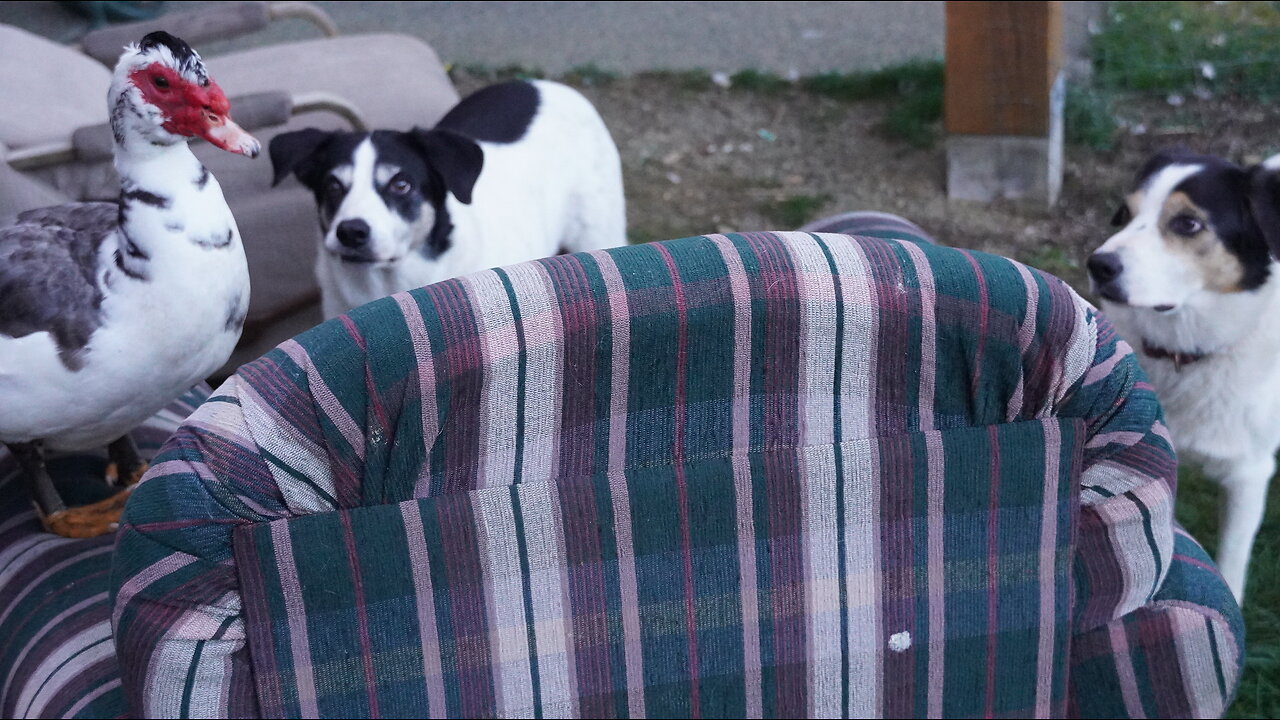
109 311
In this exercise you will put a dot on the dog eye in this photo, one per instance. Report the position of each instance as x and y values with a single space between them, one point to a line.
1185 225
399 185
334 187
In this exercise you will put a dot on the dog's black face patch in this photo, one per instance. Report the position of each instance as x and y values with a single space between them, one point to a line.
1221 189
497 114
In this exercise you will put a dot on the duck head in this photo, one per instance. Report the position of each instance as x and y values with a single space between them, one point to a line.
161 94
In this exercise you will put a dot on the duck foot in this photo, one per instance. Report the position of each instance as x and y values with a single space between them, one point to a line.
87 521
126 466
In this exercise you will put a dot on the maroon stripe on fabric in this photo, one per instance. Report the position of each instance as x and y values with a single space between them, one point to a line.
292 403
579 517
362 613
993 561
1052 339
1105 579
984 302
897 566
682 489
258 626
892 301
1153 633
579 318
460 369
468 605
378 423
777 285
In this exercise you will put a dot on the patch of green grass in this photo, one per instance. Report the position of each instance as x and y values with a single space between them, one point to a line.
1197 510
1168 47
1053 259
590 75
694 80
888 82
765 83
792 212
914 89
1088 118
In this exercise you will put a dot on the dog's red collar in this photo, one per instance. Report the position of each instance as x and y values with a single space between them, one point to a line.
1179 358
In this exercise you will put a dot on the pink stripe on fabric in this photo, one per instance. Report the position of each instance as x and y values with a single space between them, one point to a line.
362 613
1120 437
742 489
296 613
325 399
1102 370
1124 669
936 570
424 602
426 380
928 333
1026 333
682 488
1048 555
620 337
165 566
1161 431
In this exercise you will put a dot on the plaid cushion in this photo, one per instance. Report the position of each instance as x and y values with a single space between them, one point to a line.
765 473
55 633
1180 656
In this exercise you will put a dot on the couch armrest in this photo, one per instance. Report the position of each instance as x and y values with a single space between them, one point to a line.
217 22
1181 655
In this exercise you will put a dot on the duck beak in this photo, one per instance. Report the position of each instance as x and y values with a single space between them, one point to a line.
229 136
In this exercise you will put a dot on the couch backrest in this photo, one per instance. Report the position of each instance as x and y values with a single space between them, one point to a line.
779 474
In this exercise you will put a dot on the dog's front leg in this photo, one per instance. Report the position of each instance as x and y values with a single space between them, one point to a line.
1244 499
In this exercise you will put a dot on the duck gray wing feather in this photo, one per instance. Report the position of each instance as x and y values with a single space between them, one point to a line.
48 274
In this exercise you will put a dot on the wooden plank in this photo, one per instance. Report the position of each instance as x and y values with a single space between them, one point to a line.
1002 59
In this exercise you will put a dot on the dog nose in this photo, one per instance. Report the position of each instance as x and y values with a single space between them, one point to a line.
353 233
1105 266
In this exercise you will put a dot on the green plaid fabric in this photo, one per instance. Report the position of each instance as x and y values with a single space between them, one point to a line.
770 474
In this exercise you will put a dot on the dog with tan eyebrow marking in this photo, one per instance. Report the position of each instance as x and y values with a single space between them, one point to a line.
1191 281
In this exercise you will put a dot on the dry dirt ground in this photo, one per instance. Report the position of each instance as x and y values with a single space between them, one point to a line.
700 159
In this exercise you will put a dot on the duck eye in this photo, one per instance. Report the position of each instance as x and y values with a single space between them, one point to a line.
1185 225
160 81
399 185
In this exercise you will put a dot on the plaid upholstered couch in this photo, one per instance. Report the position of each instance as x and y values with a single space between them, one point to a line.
746 475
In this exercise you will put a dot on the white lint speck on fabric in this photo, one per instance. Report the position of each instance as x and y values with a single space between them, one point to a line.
898 642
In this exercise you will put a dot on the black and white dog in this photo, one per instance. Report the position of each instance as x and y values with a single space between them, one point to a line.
1192 282
516 171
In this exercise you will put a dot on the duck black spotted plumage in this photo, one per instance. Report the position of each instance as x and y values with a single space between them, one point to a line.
108 311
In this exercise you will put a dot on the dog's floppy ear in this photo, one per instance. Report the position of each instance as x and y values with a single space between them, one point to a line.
289 150
456 157
1122 216
1264 201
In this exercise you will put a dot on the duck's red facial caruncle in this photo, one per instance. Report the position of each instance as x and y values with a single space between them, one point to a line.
194 109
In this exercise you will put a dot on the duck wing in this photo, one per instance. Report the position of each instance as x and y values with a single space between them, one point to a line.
48 274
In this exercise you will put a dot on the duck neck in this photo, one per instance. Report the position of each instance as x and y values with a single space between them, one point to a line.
165 193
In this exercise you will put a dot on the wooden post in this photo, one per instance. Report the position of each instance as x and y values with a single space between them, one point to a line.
1003 101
